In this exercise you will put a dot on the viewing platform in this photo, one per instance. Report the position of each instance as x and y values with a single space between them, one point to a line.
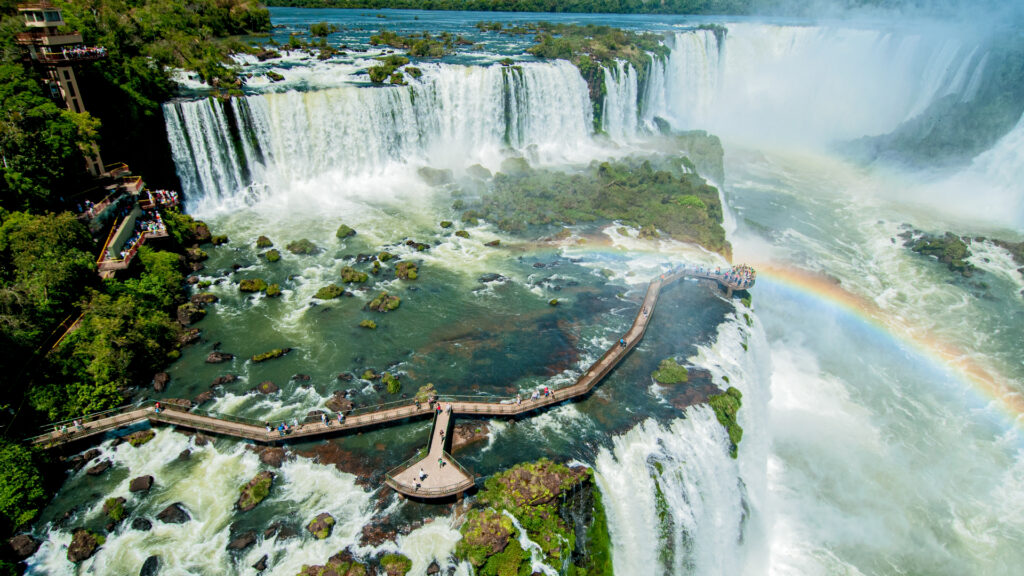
436 473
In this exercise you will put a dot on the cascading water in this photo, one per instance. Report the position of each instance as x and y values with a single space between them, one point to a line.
451 114
619 115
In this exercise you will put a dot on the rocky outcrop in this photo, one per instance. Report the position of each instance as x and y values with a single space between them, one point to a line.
384 302
270 355
99 468
406 270
225 379
189 336
350 275
113 508
252 285
174 514
242 541
23 546
203 397
204 298
341 564
142 524
217 357
83 545
139 438
339 402
141 484
344 231
321 526
267 387
151 567
395 564
160 381
255 491
190 313
261 564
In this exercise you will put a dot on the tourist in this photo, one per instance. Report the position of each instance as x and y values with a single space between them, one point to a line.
418 486
156 408
323 419
440 462
423 475
341 417
267 424
622 342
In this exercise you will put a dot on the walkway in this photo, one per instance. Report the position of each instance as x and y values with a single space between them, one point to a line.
445 480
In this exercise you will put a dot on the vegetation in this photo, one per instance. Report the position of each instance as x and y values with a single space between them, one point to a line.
21 487
272 255
344 231
726 405
273 291
406 270
303 246
370 324
263 242
350 275
426 392
139 438
385 302
950 249
670 372
576 6
255 491
114 509
329 292
394 386
420 45
275 353
252 285
637 193
396 564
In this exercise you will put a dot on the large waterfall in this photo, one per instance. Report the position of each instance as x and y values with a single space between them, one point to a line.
451 114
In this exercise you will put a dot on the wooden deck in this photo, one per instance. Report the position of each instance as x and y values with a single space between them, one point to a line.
443 475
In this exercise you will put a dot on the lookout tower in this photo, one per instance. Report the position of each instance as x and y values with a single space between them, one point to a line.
57 51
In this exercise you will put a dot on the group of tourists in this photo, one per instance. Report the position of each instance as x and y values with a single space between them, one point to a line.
165 198
150 221
83 52
742 276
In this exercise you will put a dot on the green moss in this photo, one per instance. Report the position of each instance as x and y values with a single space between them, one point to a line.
204 284
368 324
394 386
726 406
219 239
949 249
599 543
553 302
350 275
396 564
369 374
275 353
321 526
274 290
446 224
484 533
114 508
272 255
329 292
746 301
414 71
462 234
425 392
255 491
670 372
274 76
507 562
302 246
344 231
139 438
406 270
252 285
385 302
397 78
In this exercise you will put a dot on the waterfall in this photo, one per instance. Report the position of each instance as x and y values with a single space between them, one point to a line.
619 115
453 113
807 84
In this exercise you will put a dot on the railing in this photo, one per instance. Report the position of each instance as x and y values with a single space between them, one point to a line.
391 478
66 429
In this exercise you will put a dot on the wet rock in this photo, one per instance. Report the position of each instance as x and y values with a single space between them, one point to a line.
255 491
204 298
433 568
151 567
139 438
192 280
341 564
491 277
375 534
141 484
217 357
273 456
493 243
23 546
79 461
346 377
190 313
202 233
225 379
267 387
281 530
339 403
243 541
538 264
302 377
203 397
174 514
100 468
142 524
185 454
261 564
321 526
83 545
160 381
189 336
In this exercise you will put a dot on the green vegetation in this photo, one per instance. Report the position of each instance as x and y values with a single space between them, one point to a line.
344 231
670 372
369 374
114 509
350 275
21 487
396 564
726 405
368 324
274 290
322 29
574 6
446 224
218 240
385 302
394 386
263 242
635 192
303 246
255 491
321 526
420 45
950 249
462 234
425 392
139 438
275 353
272 255
252 285
406 270
329 292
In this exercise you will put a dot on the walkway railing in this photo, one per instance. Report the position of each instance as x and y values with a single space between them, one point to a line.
391 479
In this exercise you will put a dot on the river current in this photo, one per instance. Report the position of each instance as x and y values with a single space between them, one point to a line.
880 408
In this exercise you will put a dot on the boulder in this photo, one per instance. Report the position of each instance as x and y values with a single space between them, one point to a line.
261 564
281 530
204 298
255 491
160 381
113 508
263 242
339 403
491 277
266 387
141 484
202 232
217 357
302 377
174 514
139 438
243 541
83 545
341 564
188 336
433 568
344 231
23 546
151 567
98 469
189 313
141 524
203 397
273 456
493 243
225 379
321 526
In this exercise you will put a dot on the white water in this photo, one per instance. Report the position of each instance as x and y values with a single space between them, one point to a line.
619 118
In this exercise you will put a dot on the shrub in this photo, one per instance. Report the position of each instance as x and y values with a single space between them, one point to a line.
252 285
329 292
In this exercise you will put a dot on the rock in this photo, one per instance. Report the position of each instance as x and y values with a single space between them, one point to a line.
151 567
174 514
406 270
462 234
321 526
189 313
195 255
252 285
350 275
339 403
346 377
113 508
384 302
139 438
225 379
435 176
217 357
261 564
243 541
255 491
267 387
270 355
263 242
188 336
395 564
493 243
141 484
433 568
302 246
203 397
142 524
160 381
273 456
491 277
23 546
204 298
192 280
375 534
281 530
185 454
99 468
83 545
202 232
341 564
77 462
302 377
538 264
344 231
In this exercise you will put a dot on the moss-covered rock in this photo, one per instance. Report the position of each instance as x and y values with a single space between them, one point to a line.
252 285
406 270
368 324
270 355
394 386
462 234
350 275
369 374
139 438
219 239
303 246
272 255
446 223
726 405
385 256
384 302
329 292
341 564
321 526
950 249
670 372
344 231
395 564
274 290
485 533
479 172
114 509
426 392
553 302
83 545
263 242
255 491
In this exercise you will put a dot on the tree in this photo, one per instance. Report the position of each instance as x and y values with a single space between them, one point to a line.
21 486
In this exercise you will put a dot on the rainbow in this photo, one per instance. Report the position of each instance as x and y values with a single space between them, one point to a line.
990 387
